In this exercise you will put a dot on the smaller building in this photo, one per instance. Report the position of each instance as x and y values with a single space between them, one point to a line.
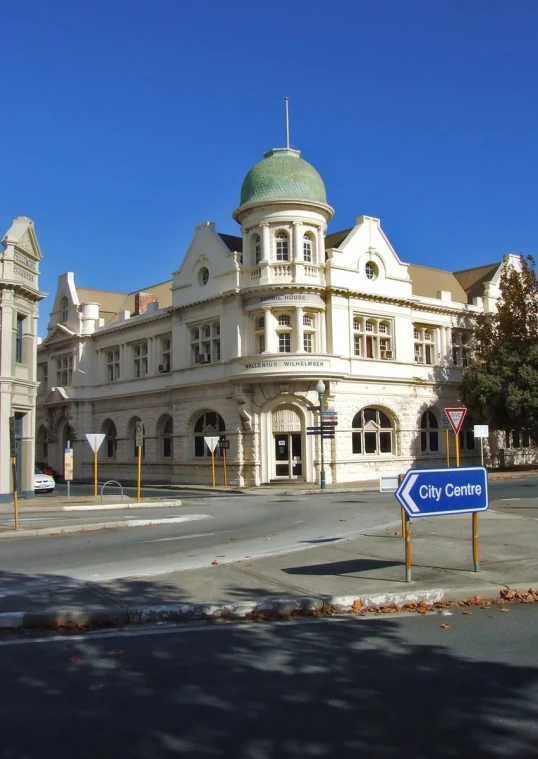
19 298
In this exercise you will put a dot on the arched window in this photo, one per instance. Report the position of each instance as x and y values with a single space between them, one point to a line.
371 271
167 430
111 439
284 333
208 424
260 322
373 433
466 435
284 320
64 308
257 248
282 246
429 432
308 246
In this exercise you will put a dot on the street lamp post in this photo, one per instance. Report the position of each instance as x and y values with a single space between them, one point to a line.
320 389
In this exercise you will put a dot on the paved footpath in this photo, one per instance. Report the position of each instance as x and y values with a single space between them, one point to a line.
334 572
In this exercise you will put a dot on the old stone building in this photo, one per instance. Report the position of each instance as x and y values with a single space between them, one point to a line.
235 343
19 298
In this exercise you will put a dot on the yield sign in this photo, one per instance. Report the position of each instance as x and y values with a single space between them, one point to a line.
212 442
95 439
456 417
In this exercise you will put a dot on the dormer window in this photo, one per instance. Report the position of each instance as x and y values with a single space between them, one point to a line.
282 246
370 270
64 308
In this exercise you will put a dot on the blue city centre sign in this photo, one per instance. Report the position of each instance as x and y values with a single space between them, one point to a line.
436 492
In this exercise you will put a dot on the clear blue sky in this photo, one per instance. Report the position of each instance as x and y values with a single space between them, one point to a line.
127 122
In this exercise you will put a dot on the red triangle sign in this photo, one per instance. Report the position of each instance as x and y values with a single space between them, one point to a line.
456 417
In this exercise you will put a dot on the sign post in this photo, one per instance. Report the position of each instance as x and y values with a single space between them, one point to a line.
68 466
95 440
224 445
212 443
481 431
447 427
440 492
139 443
13 454
456 417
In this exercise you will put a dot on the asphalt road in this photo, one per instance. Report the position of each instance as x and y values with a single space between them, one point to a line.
260 525
426 687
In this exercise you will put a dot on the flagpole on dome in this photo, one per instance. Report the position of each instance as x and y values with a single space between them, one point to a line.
286 102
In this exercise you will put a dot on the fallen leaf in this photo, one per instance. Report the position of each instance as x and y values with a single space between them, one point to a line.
214 562
96 686
445 626
281 555
467 612
248 565
504 609
233 537
75 659
116 652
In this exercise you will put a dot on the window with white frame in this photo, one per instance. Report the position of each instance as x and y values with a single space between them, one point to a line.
166 354
371 271
308 247
64 308
113 364
429 432
19 338
284 333
140 358
372 432
372 337
256 248
64 371
309 333
205 343
424 344
461 347
259 333
282 246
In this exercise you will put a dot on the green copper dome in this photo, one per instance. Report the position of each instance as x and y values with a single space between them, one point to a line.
283 175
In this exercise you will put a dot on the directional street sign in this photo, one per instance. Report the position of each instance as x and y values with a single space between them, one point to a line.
456 417
436 492
313 408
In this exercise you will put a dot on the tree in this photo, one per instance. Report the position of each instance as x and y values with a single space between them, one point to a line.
500 387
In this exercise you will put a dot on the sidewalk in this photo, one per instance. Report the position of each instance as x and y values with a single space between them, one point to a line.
331 572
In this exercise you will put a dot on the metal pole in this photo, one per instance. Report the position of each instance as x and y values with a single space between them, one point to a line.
447 448
139 473
457 449
15 494
482 450
68 481
224 465
408 558
95 467
475 542
322 472
213 466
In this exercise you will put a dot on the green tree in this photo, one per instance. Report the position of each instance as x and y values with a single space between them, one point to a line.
500 386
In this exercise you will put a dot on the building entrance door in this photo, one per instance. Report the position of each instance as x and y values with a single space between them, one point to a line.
287 445
288 458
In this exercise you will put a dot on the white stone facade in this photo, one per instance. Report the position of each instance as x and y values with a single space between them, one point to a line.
234 344
19 297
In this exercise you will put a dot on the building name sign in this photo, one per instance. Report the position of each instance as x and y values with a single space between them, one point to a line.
288 297
291 364
23 274
24 260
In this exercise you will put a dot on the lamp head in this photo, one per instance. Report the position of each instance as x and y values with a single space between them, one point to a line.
320 387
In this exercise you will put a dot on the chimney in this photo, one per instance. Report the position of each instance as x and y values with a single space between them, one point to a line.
141 302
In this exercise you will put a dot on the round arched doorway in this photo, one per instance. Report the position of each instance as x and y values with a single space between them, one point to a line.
287 444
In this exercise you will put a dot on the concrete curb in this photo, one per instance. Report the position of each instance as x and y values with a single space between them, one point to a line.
275 607
96 526
126 505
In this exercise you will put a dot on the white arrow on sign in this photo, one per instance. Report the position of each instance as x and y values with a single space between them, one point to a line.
212 442
406 495
95 439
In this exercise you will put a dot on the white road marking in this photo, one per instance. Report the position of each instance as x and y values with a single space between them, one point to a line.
185 537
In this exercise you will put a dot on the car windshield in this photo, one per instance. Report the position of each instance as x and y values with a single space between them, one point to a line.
38 470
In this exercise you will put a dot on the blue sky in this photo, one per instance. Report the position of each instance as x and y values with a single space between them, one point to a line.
127 122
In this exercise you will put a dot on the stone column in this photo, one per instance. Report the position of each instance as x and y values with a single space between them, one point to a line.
297 242
299 330
319 254
322 331
266 242
270 330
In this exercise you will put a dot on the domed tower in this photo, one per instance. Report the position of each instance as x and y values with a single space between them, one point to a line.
283 216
